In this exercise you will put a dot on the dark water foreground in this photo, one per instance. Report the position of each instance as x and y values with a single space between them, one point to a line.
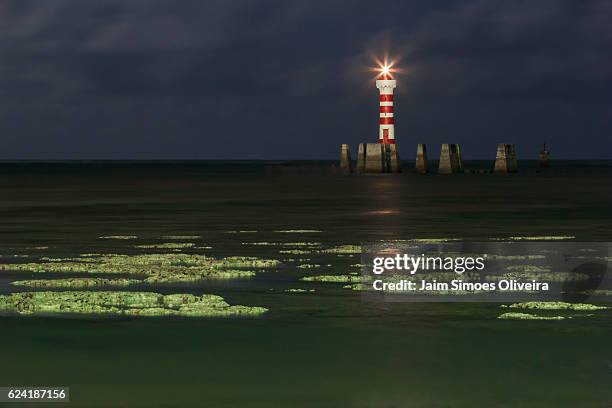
327 349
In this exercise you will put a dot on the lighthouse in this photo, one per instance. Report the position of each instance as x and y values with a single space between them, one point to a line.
386 84
383 156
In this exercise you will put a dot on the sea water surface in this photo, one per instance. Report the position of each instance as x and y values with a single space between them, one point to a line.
321 349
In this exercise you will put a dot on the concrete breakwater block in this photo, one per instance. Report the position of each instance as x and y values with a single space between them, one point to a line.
421 165
450 159
505 159
346 164
378 158
393 164
375 158
361 158
544 161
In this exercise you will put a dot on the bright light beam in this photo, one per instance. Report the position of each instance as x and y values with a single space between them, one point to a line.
385 68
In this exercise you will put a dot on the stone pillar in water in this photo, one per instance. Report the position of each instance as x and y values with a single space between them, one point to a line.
375 158
513 160
505 159
459 159
421 159
450 159
544 157
361 158
346 165
393 159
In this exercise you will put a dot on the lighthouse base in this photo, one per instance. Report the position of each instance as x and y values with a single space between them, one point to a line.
378 158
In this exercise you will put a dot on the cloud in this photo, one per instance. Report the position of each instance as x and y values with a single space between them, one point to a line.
509 49
114 65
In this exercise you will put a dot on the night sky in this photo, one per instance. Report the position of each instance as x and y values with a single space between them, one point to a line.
289 79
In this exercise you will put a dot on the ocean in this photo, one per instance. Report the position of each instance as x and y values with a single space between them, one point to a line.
326 348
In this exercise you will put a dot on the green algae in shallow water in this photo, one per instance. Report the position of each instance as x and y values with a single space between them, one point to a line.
540 276
597 292
515 257
333 278
298 231
527 268
355 287
343 249
527 316
284 244
118 237
75 282
299 290
167 245
555 306
422 240
536 238
155 268
308 266
122 304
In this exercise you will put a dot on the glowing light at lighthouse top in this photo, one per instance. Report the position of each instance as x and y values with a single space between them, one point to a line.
385 72
386 84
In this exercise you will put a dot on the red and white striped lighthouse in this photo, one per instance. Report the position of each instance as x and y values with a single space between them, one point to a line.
386 84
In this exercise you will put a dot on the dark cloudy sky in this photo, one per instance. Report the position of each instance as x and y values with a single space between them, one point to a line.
288 79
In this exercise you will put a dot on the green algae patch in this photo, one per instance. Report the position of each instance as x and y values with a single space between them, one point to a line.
537 238
308 266
298 290
121 237
333 278
153 268
181 299
167 245
355 286
527 316
75 282
311 249
556 306
298 231
597 292
122 304
540 276
515 257
181 237
422 240
284 244
343 249
527 268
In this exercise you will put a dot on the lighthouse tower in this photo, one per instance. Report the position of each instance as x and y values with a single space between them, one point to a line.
386 84
381 157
